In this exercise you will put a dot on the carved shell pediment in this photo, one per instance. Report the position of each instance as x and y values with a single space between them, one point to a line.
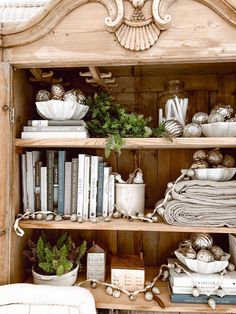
138 23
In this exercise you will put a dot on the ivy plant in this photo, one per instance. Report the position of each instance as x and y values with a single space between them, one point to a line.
108 119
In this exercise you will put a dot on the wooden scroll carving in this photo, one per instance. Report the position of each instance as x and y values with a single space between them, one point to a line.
138 23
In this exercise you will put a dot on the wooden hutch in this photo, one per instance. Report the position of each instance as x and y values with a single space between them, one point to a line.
194 41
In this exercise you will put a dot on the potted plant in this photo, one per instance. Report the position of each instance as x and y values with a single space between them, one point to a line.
55 264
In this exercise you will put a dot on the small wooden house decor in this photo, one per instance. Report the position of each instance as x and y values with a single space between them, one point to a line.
128 272
96 263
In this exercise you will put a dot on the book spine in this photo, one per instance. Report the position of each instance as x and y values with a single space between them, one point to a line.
86 187
202 290
93 186
202 299
58 128
50 171
111 193
61 179
80 204
74 185
67 190
100 188
37 202
55 184
54 135
30 181
24 182
107 171
55 122
43 188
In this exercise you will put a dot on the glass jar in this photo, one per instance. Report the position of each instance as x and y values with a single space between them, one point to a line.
173 103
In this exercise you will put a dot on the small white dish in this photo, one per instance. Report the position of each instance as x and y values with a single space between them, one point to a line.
212 174
202 267
219 129
61 110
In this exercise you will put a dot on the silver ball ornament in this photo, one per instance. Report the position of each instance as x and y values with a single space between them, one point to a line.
205 256
201 240
228 161
70 95
43 95
192 130
217 252
225 110
200 155
214 157
200 164
216 117
173 127
57 91
200 118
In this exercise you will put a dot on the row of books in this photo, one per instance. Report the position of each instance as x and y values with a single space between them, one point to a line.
181 286
83 185
55 129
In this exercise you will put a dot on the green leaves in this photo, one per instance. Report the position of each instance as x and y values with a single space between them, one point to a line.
56 259
108 119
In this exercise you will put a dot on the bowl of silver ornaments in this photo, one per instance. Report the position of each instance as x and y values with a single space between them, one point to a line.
192 130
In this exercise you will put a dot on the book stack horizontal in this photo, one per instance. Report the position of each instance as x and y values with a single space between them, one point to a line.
181 286
55 129
80 184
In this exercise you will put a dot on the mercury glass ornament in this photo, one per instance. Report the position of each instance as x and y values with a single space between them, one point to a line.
217 252
216 117
214 157
57 91
80 98
205 256
200 118
228 161
173 127
70 95
201 240
192 130
148 296
43 95
200 155
190 253
225 110
200 164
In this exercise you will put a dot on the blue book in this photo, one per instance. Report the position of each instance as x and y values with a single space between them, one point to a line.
202 299
61 180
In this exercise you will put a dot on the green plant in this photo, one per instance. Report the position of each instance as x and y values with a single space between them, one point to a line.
56 259
109 119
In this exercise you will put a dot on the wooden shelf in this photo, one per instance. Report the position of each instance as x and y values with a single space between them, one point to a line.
104 301
132 143
120 224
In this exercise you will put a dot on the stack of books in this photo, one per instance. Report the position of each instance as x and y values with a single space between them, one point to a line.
55 129
83 184
181 286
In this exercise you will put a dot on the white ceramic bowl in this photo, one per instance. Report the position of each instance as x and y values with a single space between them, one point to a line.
61 110
219 129
202 267
212 174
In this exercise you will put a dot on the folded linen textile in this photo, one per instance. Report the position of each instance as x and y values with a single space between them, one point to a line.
207 193
183 213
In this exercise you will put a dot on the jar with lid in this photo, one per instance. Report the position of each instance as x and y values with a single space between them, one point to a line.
173 103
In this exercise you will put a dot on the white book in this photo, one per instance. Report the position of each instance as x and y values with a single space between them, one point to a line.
94 186
107 171
67 190
43 188
24 182
202 290
80 194
56 128
86 187
111 193
56 122
55 135
202 280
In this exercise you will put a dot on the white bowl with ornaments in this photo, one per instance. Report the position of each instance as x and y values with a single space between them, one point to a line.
200 266
219 129
61 110
212 174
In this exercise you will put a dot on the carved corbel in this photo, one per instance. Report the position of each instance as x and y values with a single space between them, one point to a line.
138 23
95 78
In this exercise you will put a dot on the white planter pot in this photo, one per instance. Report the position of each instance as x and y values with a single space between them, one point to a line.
67 279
